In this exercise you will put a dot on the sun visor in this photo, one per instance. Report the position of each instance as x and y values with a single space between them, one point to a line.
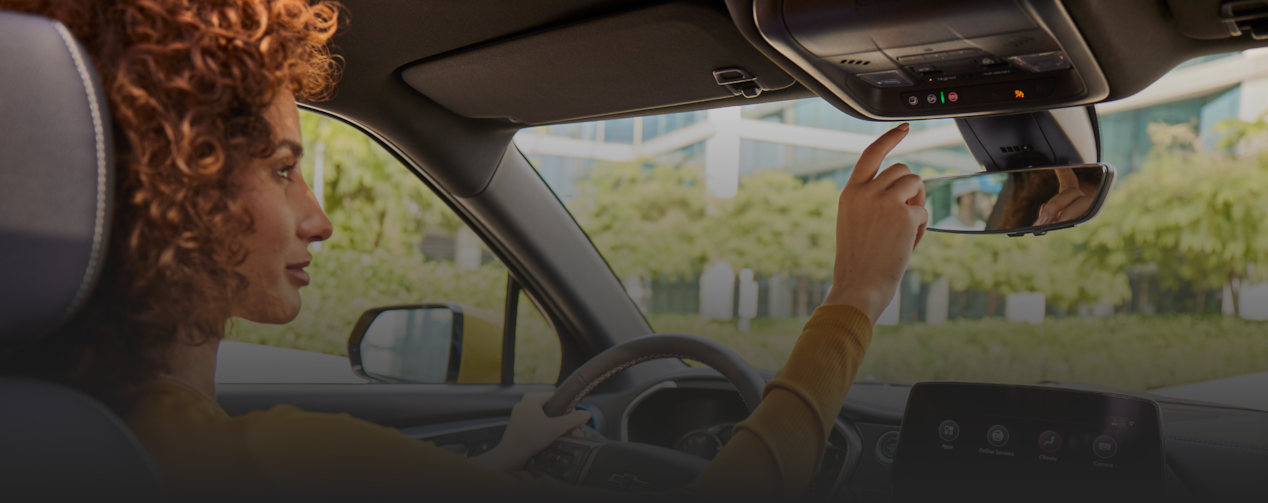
649 58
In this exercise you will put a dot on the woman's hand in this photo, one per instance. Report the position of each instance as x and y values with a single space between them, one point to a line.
1069 203
880 219
529 433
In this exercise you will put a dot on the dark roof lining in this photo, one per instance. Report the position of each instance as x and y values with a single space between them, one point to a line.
1135 54
384 36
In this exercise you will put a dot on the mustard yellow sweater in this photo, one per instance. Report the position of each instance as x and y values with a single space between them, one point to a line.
202 452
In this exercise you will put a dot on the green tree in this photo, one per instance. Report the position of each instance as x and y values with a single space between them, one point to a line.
647 220
777 224
1000 264
1195 216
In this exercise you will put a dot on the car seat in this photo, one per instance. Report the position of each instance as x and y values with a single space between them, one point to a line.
56 185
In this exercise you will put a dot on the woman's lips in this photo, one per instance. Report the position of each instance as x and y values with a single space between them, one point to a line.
297 274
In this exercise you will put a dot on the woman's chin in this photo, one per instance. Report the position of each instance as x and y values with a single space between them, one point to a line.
279 311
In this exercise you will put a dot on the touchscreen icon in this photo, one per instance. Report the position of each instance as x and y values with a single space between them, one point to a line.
1105 446
1049 441
997 435
949 430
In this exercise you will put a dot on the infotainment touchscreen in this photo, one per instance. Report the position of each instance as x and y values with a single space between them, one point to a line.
988 441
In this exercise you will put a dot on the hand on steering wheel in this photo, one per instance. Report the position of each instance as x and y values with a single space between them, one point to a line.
529 432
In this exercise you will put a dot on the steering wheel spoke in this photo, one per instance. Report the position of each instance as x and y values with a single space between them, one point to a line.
629 466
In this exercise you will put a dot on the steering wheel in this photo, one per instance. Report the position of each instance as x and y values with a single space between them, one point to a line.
599 462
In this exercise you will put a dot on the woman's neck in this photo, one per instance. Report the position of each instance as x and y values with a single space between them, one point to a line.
194 366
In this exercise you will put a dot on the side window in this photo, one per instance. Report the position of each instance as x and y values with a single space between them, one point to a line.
395 242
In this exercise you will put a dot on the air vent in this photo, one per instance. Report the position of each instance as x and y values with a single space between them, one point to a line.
1015 148
855 62
1019 42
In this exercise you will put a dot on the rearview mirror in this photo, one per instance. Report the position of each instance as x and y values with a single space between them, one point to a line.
1017 202
427 344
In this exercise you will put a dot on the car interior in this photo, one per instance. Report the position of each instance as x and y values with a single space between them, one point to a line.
445 86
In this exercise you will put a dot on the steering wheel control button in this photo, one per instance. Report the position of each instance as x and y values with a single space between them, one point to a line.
949 430
997 435
1049 441
1105 447
887 447
563 460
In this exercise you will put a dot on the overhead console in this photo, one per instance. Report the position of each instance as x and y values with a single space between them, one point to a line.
912 59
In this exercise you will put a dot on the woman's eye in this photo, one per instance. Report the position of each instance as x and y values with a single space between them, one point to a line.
285 172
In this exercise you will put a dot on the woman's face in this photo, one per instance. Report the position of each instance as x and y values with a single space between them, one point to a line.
287 218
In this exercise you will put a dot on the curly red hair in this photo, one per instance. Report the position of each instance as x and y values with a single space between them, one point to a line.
188 82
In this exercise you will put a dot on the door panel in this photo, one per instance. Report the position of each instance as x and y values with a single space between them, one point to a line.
393 405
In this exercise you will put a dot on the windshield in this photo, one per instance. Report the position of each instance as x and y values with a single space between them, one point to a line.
720 223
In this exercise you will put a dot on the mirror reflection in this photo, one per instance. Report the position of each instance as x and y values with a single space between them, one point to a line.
412 344
1015 200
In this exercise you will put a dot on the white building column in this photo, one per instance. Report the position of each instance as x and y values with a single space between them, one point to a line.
938 301
748 299
779 297
717 292
1253 99
1029 307
722 152
467 252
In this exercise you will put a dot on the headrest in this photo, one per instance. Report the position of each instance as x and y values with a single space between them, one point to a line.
56 177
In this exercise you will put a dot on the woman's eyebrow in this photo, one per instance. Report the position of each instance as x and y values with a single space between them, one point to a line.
296 149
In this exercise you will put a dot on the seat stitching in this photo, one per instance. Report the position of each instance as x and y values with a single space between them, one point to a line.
99 136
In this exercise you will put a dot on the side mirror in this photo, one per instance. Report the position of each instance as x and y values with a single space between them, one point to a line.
426 344
1017 202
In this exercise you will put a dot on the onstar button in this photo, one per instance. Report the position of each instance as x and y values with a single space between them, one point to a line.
1105 446
1049 441
949 430
952 97
997 435
932 98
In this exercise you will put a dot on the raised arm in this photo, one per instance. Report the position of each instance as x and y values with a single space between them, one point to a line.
773 453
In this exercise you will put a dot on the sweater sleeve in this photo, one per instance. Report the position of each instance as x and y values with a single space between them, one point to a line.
773 454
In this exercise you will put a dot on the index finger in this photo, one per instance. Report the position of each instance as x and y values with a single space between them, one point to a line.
1066 179
870 160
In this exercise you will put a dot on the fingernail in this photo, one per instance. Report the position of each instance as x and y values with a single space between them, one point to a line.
903 126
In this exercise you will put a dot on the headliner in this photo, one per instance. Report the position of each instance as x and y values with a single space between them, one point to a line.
558 54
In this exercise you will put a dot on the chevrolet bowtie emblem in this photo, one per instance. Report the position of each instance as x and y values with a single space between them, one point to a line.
628 481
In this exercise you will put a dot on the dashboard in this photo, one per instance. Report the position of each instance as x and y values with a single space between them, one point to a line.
1210 450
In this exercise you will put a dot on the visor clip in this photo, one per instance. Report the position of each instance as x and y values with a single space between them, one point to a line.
739 82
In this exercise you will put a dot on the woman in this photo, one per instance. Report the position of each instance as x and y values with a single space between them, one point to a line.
213 221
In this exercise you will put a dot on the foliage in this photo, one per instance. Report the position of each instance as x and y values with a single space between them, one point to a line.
1049 264
646 220
1195 216
776 223
1130 353
660 221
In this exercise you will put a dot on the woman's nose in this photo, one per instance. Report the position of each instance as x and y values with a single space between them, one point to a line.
314 225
